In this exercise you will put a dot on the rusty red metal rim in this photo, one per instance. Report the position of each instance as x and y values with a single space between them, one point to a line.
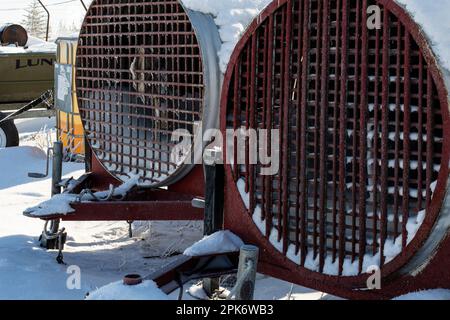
394 267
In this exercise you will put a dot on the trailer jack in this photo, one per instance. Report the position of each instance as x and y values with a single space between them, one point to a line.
52 240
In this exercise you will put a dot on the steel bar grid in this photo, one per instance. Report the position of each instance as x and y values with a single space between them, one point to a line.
361 126
139 78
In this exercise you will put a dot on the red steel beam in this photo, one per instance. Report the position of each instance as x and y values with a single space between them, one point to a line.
132 211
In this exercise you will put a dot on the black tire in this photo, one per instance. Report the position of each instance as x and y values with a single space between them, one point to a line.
9 130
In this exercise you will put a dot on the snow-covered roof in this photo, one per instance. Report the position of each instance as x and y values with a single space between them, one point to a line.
34 45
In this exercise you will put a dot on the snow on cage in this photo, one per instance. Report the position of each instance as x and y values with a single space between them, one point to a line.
61 203
364 146
232 17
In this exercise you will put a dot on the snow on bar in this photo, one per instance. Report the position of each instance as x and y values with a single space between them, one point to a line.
60 204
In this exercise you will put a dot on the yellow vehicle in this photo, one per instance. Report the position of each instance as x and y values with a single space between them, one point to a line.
68 121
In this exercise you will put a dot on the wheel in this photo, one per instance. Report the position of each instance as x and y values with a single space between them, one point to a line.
9 136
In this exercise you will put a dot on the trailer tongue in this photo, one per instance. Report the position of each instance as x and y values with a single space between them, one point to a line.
46 99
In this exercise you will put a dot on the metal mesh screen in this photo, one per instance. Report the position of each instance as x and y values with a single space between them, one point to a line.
139 78
361 133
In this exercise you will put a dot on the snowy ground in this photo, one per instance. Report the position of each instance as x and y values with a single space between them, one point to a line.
102 250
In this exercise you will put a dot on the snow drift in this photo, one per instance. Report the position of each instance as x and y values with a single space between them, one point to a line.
147 290
219 242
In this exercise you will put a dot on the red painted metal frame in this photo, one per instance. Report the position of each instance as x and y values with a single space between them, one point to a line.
160 210
171 204
178 210
275 263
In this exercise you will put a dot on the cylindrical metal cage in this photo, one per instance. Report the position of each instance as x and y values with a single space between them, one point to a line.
363 122
147 69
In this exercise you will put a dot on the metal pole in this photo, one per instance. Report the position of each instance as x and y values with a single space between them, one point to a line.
248 264
57 167
48 19
214 176
214 198
87 155
56 178
85 8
